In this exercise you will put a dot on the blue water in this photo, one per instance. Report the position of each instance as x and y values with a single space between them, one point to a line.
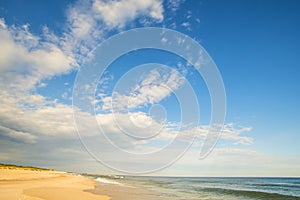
215 188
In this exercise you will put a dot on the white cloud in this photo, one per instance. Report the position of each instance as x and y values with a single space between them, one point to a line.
2 23
164 40
153 88
186 24
89 21
118 126
232 161
118 13
121 128
189 14
173 5
231 133
25 60
33 114
81 22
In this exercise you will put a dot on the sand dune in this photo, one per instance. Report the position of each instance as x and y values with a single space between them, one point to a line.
22 184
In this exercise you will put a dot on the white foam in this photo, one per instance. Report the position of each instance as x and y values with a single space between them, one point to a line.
107 181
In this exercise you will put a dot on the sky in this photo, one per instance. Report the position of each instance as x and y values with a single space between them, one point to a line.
151 109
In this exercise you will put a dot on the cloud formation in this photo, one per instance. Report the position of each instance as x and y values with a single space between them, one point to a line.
150 89
118 13
27 59
89 21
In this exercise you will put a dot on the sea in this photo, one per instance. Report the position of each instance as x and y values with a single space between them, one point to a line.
206 188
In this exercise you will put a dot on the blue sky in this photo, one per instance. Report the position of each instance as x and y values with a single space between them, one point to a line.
255 45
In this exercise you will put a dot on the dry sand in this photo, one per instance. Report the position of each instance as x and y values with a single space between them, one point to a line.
22 184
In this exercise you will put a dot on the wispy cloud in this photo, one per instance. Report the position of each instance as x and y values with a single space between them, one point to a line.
116 14
232 161
150 89
173 5
18 136
89 21
140 125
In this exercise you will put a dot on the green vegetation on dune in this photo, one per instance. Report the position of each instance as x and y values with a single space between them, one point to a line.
11 166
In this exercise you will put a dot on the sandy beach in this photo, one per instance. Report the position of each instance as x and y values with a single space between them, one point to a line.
22 184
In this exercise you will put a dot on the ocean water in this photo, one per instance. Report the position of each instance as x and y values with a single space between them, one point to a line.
206 188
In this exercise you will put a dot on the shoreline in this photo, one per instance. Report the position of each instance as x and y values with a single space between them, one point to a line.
152 188
43 184
27 184
125 188
125 192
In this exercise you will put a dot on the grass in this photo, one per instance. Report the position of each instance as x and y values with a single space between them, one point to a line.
11 166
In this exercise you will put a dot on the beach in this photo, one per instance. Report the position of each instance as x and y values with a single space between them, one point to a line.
33 184
37 184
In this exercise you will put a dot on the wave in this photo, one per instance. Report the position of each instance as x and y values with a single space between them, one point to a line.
287 185
107 181
251 194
